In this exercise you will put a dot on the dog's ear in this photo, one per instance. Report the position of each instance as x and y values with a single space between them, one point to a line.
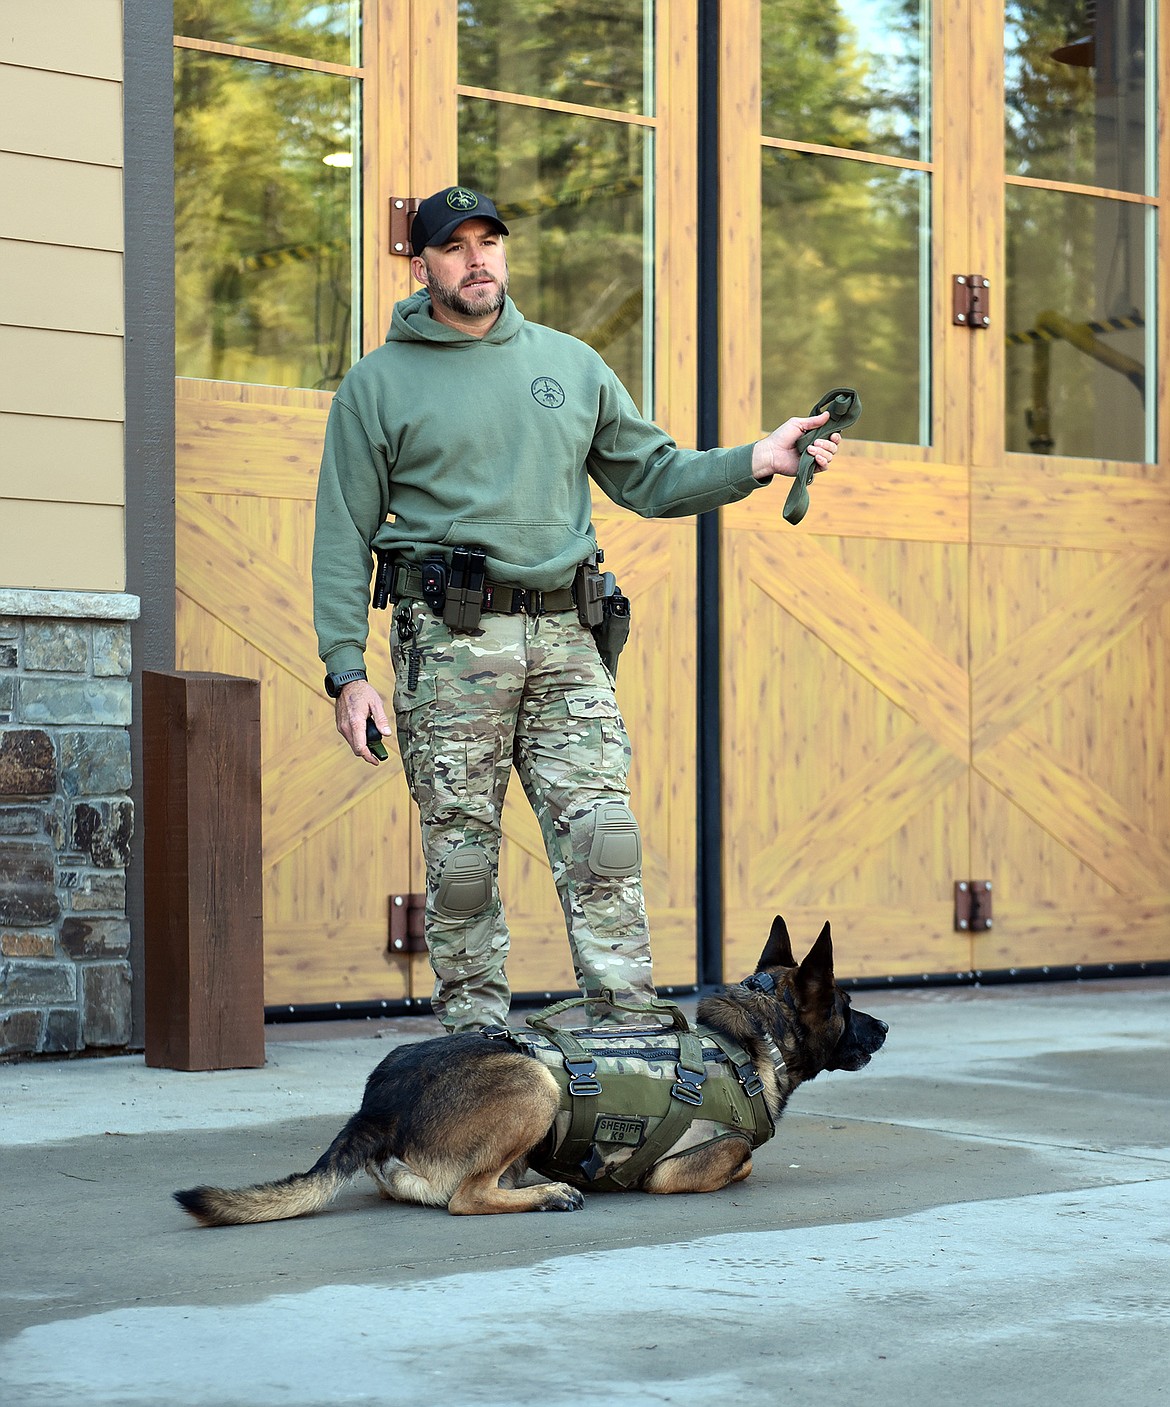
815 977
778 949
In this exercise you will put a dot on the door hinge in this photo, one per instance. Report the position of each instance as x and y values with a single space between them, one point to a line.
402 212
972 905
406 924
971 301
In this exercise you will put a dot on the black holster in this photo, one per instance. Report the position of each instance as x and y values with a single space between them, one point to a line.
603 608
613 632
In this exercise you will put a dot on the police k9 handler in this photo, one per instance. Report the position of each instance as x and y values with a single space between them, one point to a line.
458 455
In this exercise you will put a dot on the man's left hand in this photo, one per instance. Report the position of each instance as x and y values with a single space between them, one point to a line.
776 453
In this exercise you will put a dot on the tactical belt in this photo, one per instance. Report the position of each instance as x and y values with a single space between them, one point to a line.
508 600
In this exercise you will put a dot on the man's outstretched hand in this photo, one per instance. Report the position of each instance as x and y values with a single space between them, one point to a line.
776 453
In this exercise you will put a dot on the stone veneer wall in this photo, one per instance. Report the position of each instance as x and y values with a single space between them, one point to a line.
66 820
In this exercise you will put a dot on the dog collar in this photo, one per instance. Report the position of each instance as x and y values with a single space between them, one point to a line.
765 983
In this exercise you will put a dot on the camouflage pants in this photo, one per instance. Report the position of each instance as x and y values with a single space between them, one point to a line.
530 694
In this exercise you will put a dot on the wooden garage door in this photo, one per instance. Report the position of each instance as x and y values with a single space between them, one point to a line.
594 181
954 669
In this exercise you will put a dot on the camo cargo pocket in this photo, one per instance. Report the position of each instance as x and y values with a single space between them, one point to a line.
580 742
414 720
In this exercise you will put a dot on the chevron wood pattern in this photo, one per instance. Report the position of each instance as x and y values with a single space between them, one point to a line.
846 738
1070 738
957 665
339 837
871 635
993 711
1079 813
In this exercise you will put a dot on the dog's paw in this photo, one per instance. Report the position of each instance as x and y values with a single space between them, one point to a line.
560 1197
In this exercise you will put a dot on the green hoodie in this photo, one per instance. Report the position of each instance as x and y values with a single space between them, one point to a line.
438 439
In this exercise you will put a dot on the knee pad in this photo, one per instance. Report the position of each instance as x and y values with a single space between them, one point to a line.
465 883
615 852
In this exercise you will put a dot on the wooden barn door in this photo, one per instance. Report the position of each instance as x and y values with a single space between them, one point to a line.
1070 491
274 275
955 668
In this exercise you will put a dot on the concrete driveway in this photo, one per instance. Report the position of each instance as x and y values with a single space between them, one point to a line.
981 1216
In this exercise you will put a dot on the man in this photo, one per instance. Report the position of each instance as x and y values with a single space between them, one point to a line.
464 446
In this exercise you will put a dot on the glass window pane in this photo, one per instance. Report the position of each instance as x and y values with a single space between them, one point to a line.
328 30
595 54
846 292
1077 106
1077 313
853 74
575 193
266 184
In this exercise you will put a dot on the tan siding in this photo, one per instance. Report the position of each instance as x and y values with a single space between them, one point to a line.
61 373
50 286
61 115
65 461
64 546
62 398
60 202
70 36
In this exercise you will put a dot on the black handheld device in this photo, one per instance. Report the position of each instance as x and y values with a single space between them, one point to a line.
374 740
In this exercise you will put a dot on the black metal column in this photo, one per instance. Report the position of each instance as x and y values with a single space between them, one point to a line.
710 779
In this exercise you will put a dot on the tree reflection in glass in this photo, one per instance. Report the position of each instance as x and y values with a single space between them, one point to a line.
574 193
265 191
326 30
844 290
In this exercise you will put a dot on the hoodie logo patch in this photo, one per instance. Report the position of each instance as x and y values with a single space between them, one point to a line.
548 392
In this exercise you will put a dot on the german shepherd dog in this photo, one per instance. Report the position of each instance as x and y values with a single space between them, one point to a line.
451 1122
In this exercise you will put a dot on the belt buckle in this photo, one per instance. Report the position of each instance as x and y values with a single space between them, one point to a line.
527 600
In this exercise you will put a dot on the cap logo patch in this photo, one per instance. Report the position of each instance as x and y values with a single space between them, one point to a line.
462 199
548 392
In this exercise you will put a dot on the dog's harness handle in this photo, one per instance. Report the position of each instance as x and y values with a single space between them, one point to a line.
655 1006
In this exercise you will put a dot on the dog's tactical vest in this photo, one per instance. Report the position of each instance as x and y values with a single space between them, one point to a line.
631 1095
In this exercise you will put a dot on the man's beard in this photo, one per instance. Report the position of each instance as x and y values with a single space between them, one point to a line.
449 295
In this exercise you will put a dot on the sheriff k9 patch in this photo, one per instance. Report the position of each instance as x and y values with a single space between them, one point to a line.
619 1128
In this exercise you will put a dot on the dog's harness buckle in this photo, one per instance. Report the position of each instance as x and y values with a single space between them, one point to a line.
582 1076
689 1085
760 982
752 1084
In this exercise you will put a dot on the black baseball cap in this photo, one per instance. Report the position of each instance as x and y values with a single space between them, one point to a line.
445 211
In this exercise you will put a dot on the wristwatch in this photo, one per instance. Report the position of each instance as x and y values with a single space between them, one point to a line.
334 683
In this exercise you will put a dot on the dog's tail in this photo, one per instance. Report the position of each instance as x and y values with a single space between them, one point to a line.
299 1195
